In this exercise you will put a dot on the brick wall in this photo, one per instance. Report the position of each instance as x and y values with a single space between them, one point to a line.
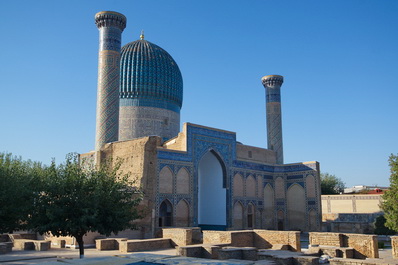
326 239
268 238
139 158
88 239
144 245
394 246
365 246
254 238
242 238
214 237
179 236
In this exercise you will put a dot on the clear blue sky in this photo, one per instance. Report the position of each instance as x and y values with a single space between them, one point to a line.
339 59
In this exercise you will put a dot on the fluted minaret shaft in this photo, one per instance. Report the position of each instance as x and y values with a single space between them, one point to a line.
272 84
110 25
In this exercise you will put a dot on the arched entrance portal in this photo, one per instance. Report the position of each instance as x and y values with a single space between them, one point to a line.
212 198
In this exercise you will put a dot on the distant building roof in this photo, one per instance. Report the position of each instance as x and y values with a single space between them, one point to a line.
369 189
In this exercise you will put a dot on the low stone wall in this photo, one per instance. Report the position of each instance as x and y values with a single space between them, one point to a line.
191 251
244 253
58 243
242 238
347 227
269 238
42 245
179 236
88 239
108 243
24 242
214 237
234 238
5 247
341 261
326 239
4 238
144 244
394 246
365 246
254 238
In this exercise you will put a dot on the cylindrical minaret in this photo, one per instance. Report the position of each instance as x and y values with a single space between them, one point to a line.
272 84
110 25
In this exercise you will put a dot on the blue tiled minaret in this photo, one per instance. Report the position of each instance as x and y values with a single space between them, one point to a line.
272 85
111 25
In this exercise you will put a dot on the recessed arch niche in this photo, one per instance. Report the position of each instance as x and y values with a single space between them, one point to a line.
296 208
212 198
269 207
166 180
238 216
182 214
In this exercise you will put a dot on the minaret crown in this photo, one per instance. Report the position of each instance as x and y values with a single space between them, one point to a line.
272 80
110 19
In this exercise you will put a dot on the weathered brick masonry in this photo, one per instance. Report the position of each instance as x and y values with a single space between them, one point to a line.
365 246
254 238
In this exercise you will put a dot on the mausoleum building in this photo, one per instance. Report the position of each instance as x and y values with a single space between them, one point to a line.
199 176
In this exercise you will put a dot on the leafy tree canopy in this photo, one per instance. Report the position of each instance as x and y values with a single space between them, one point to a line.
18 182
330 184
77 198
380 228
69 199
390 197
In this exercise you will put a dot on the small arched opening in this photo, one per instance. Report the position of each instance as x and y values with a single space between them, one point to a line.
250 216
165 214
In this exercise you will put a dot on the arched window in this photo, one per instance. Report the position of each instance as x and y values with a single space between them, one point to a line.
165 214
250 215
281 217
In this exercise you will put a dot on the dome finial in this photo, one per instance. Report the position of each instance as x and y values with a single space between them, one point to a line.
142 35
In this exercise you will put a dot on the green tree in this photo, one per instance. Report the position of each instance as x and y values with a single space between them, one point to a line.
18 183
77 198
330 184
380 228
390 197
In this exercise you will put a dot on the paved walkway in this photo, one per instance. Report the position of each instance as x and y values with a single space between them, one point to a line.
95 257
167 256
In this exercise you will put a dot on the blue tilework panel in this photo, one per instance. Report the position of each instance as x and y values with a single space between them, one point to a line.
201 140
295 177
273 95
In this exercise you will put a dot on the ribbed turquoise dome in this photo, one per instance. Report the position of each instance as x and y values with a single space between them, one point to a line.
149 77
